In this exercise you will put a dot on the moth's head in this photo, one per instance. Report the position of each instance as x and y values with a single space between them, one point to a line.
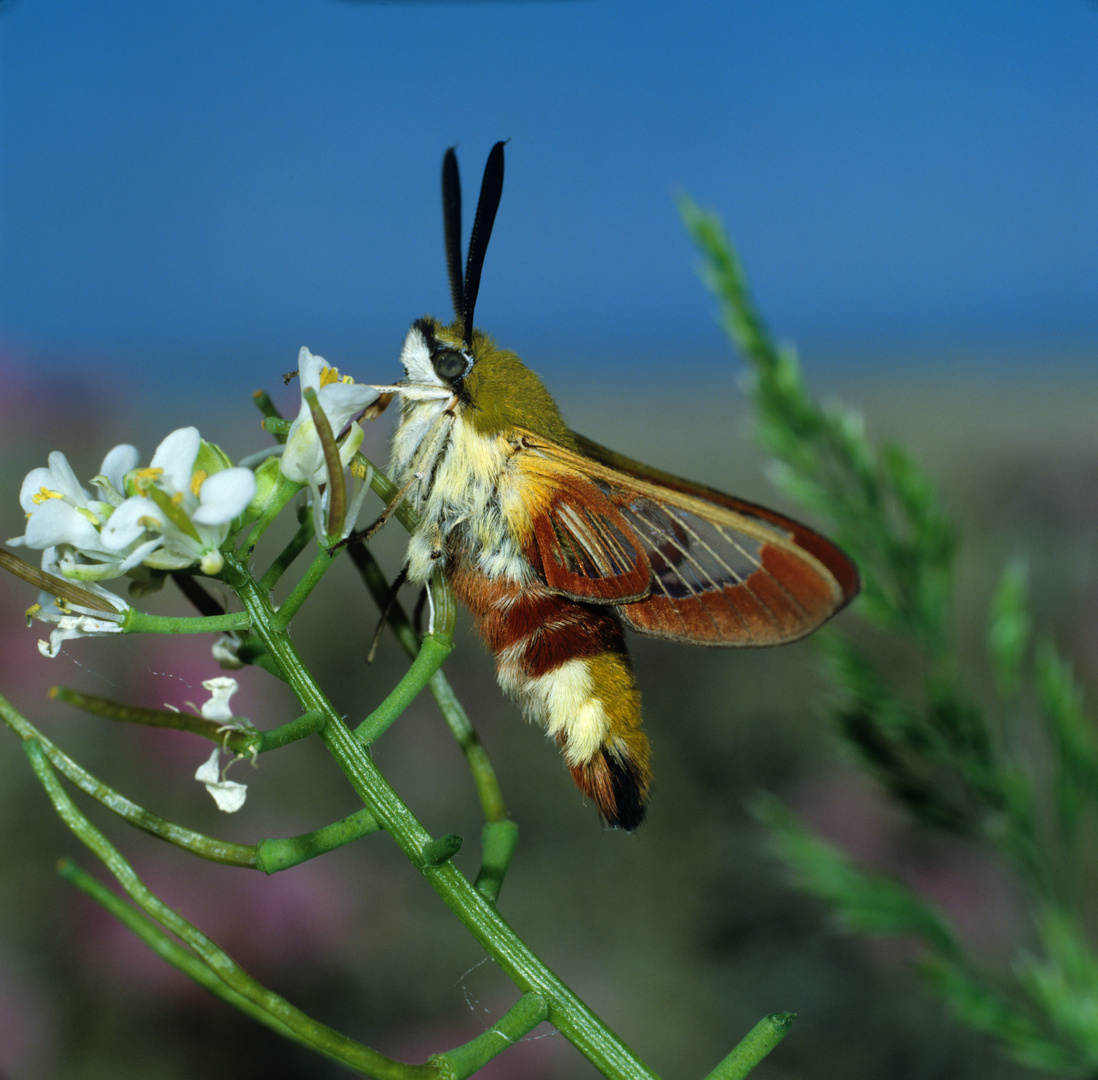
493 389
434 356
438 359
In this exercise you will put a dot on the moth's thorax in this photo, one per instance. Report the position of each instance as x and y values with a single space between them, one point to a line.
455 438
453 471
457 495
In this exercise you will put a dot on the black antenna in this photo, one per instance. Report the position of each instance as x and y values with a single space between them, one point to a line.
491 188
451 219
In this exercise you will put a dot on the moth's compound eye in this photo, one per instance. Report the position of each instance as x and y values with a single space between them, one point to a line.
449 364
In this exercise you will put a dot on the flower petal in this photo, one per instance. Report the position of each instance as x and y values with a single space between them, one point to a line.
57 479
129 521
117 463
221 690
223 496
175 455
74 626
228 795
309 368
56 522
303 454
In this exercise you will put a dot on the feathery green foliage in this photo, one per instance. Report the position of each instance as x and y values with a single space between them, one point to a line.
950 763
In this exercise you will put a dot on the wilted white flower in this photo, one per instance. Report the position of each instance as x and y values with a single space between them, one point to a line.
71 624
226 651
221 690
228 794
70 618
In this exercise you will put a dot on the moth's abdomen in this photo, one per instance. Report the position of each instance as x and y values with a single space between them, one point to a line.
565 663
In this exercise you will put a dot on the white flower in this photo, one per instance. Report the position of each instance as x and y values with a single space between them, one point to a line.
71 620
226 651
177 512
57 484
185 502
221 690
74 626
340 398
228 794
62 515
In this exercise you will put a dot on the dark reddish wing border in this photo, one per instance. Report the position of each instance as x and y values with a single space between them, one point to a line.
833 558
784 600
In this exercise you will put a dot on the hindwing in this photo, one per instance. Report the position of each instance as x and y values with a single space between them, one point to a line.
679 560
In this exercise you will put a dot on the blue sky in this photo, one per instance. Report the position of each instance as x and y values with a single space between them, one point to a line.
217 183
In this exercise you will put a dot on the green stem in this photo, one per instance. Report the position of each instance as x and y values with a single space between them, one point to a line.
235 735
270 412
427 662
387 491
269 855
166 947
275 855
497 840
484 776
208 848
276 425
240 740
289 553
139 622
566 1011
379 587
440 850
754 1046
300 593
461 1062
285 491
307 724
268 1006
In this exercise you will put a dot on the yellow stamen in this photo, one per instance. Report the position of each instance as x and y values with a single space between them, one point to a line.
331 375
198 478
146 478
44 493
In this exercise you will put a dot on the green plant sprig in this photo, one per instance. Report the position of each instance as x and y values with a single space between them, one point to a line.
933 747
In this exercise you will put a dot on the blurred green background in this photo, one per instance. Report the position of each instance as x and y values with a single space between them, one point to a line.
680 935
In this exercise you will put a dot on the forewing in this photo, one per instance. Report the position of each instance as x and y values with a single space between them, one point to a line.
721 571
571 532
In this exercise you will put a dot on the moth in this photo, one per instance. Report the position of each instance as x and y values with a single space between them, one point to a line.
556 545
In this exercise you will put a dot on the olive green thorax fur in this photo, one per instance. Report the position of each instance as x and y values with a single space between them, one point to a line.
501 392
